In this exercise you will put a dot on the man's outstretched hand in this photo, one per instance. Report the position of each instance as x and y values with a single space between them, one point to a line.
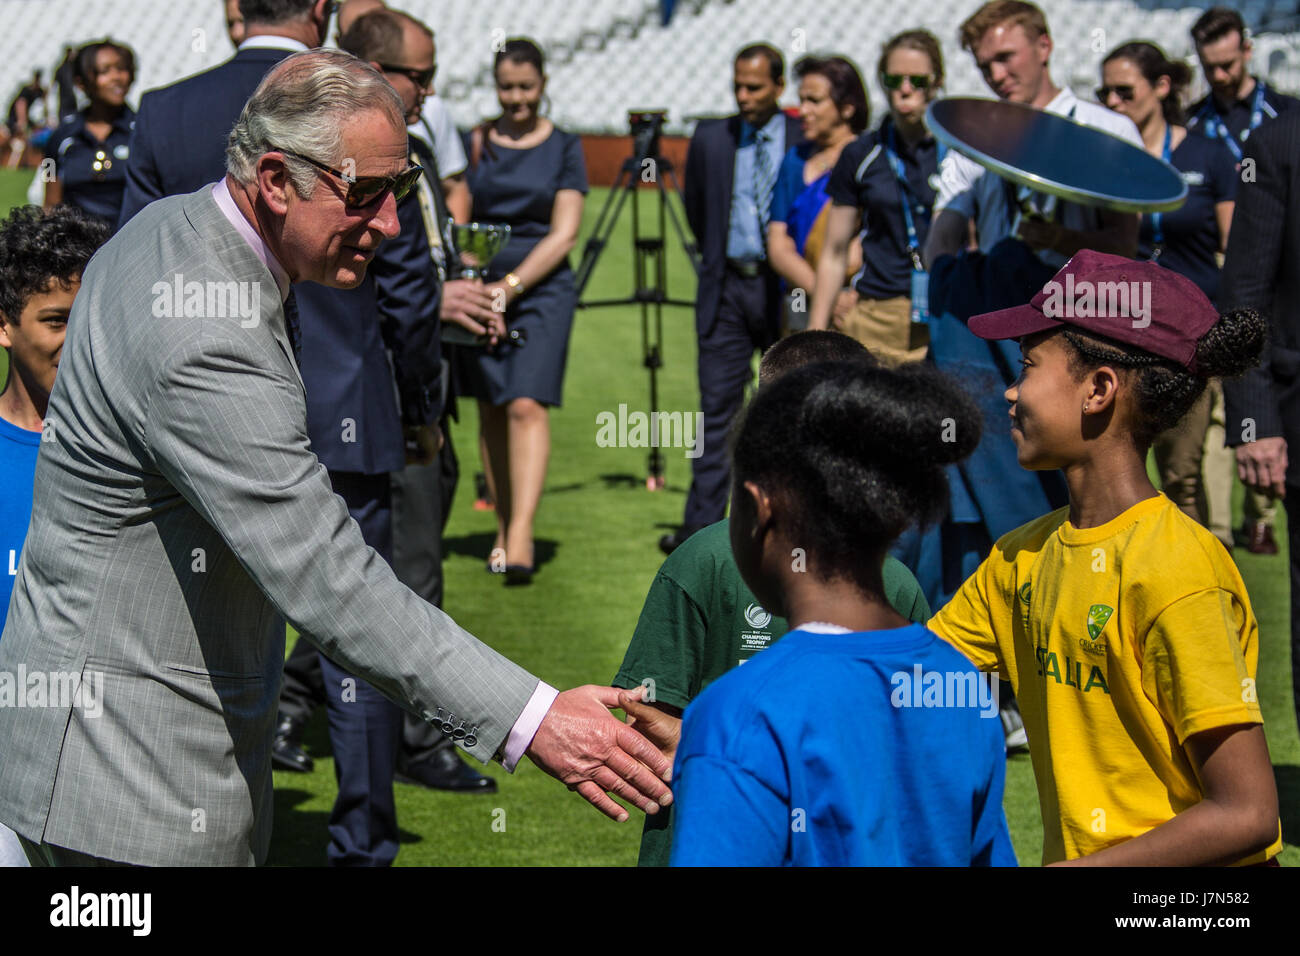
583 745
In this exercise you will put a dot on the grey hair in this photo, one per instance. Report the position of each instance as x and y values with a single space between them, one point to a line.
300 106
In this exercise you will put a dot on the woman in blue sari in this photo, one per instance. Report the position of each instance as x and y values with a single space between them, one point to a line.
833 108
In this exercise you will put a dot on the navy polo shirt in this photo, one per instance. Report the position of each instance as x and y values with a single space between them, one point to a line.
1191 232
863 177
1237 117
93 173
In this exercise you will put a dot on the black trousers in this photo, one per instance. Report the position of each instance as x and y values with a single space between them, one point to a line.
365 726
1293 542
746 321
421 497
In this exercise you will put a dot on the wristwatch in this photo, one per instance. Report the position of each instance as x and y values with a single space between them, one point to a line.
516 284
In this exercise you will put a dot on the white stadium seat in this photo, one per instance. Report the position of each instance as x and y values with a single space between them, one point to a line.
614 55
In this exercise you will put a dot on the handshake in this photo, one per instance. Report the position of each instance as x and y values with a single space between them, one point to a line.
582 745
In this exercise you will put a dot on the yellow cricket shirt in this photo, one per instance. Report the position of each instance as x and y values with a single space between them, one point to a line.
1121 641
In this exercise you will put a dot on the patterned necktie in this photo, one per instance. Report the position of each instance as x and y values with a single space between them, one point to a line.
763 182
291 326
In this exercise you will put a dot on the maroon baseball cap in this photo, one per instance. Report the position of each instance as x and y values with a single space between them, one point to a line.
1137 303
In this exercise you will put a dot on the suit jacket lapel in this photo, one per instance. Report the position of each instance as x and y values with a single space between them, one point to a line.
231 248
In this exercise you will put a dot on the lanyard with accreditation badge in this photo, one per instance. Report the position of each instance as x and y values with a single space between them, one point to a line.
1158 233
1215 128
920 278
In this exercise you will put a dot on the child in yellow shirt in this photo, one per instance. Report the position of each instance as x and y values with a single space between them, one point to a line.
1122 624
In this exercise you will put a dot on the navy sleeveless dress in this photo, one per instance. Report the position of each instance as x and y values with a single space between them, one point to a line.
518 187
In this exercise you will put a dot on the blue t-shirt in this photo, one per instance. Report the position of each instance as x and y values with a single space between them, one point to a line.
816 752
18 448
796 203
1191 232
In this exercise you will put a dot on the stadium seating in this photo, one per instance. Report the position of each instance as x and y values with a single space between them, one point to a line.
607 56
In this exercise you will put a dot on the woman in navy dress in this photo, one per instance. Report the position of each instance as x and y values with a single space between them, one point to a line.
529 174
90 150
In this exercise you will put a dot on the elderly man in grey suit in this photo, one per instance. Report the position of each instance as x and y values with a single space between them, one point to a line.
178 507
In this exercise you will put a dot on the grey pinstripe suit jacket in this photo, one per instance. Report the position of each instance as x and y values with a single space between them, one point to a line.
178 506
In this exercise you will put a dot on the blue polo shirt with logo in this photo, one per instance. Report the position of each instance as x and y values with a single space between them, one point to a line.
700 621
18 448
1191 232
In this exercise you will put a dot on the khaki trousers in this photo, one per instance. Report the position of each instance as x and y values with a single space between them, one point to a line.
885 327
1179 453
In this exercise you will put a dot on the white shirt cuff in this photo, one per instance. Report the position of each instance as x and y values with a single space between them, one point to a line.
525 728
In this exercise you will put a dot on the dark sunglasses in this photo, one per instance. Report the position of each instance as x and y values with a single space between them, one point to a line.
366 190
894 81
422 79
1123 92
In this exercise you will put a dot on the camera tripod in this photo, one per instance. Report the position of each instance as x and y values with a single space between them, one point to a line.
650 267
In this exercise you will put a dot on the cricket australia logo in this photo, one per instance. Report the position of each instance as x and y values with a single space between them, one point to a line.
1098 616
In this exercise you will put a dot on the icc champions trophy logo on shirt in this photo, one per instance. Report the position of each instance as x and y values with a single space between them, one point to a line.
757 617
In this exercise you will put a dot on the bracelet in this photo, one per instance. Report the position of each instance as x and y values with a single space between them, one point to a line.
516 284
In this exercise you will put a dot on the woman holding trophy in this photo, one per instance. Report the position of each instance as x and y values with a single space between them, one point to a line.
527 174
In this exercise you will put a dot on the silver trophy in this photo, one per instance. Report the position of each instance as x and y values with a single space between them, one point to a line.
476 245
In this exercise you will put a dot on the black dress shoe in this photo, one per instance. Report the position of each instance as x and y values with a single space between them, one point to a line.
446 771
671 542
286 748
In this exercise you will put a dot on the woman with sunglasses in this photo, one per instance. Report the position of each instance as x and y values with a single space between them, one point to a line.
1139 81
529 174
833 110
883 186
91 149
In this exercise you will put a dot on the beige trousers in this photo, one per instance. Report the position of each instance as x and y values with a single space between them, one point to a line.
885 327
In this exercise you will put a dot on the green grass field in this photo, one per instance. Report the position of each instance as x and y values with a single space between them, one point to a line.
596 549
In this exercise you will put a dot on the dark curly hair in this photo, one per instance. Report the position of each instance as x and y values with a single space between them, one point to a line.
855 454
38 249
1163 390
807 347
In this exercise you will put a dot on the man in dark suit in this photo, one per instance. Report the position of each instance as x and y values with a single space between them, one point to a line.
421 493
1262 271
731 167
355 425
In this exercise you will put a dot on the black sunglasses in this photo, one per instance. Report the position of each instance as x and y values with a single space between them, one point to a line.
365 190
1124 92
422 79
894 81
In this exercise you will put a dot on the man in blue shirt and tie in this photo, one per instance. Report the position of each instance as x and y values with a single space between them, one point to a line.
731 168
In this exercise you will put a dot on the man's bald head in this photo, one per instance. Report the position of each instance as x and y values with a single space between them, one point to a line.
352 10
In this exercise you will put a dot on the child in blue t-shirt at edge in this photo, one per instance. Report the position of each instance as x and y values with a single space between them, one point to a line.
42 256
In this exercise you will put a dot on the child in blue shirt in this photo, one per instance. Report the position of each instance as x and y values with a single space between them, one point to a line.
42 256
858 738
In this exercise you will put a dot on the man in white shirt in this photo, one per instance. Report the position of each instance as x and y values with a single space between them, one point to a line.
1011 46
438 129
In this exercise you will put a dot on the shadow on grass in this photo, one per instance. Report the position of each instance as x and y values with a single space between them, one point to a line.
479 545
